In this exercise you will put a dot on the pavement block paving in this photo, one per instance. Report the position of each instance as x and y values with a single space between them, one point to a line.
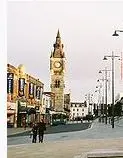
72 148
63 149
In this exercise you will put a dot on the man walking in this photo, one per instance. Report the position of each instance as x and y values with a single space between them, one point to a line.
41 129
34 131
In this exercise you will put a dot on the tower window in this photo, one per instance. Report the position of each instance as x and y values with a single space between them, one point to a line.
57 83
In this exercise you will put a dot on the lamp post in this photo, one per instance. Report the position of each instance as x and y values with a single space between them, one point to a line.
88 98
116 34
105 58
106 80
99 100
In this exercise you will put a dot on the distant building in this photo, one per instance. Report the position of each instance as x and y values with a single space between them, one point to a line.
78 110
48 104
67 102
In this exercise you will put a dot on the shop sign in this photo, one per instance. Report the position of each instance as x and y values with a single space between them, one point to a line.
23 104
38 92
31 90
21 86
10 81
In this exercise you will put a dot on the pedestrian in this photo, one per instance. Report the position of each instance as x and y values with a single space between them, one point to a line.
24 123
41 129
34 133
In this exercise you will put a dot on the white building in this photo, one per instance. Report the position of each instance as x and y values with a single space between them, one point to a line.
78 110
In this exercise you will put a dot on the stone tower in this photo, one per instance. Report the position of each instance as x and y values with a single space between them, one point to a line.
57 70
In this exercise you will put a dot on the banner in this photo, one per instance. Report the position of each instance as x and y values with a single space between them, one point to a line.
10 83
21 86
38 92
31 90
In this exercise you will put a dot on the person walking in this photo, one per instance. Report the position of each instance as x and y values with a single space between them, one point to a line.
41 129
34 133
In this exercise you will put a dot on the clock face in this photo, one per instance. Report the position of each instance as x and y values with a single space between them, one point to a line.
57 64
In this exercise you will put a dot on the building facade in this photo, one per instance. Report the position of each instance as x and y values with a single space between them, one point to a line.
48 106
57 71
24 96
78 110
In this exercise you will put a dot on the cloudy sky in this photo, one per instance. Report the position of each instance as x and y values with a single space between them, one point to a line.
86 30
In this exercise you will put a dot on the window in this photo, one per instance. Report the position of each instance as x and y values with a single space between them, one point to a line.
79 105
82 109
77 109
57 83
73 114
82 114
77 114
73 109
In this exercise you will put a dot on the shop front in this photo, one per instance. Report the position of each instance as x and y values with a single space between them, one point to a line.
37 114
31 116
26 116
11 111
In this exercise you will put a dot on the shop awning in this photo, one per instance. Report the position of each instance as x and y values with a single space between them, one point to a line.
27 110
31 111
23 110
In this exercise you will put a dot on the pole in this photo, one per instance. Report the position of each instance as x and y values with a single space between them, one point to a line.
106 95
112 89
121 66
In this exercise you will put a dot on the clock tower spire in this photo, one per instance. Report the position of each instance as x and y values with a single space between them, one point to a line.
57 70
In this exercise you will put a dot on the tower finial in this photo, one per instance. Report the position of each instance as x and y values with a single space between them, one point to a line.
58 34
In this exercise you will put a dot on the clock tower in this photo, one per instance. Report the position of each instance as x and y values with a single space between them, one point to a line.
57 70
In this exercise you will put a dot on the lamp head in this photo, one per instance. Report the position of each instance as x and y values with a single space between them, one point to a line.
115 33
105 58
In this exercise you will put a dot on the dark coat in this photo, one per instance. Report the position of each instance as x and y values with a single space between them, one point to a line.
41 127
34 130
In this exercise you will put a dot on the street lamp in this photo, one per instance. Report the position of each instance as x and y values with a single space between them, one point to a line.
89 99
105 58
101 98
115 32
98 89
105 70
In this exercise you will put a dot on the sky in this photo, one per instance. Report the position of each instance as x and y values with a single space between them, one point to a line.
86 29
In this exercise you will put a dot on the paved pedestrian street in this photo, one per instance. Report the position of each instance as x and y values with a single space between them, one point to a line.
72 144
63 149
